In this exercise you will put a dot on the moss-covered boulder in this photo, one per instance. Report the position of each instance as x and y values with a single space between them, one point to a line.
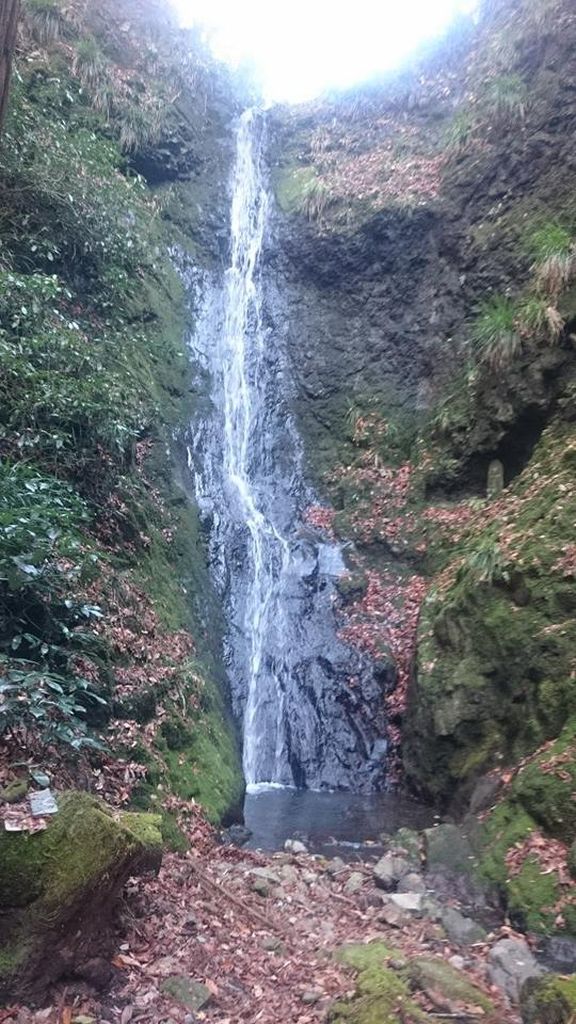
539 802
384 993
549 1000
381 993
59 889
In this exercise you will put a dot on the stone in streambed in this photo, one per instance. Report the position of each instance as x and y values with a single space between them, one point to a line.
412 902
295 846
510 965
390 869
412 882
441 978
354 883
459 929
447 847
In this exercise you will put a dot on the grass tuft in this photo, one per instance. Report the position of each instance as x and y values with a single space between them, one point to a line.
495 335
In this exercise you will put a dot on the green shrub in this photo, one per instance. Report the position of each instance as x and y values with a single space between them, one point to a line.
93 72
494 334
486 564
553 252
537 318
45 708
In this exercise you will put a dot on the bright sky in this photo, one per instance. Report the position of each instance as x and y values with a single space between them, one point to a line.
299 48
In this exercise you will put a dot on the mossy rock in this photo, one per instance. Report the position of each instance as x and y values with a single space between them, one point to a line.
59 889
549 1000
438 976
381 993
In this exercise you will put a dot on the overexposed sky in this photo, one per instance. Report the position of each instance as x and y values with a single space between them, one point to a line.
302 47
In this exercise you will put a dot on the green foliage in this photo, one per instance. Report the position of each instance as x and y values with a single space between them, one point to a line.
553 252
538 318
460 131
506 99
93 71
486 563
43 707
42 561
65 395
315 198
46 20
495 335
139 127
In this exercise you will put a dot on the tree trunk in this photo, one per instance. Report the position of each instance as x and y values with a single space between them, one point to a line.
9 11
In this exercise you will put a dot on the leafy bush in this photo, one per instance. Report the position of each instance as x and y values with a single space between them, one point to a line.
43 560
495 334
553 252
45 708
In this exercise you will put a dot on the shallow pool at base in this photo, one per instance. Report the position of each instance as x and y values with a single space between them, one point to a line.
328 820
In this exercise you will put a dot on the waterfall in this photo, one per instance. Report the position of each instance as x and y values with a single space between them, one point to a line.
309 708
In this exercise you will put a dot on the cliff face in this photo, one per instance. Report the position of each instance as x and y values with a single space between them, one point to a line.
113 176
425 239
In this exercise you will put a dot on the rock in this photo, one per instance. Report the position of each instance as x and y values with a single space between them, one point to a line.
485 792
510 965
267 874
438 977
548 1000
458 962
312 996
14 791
309 877
261 887
335 866
354 883
461 930
393 916
289 874
295 846
410 901
389 870
236 835
558 953
272 944
410 843
59 890
412 882
191 994
446 846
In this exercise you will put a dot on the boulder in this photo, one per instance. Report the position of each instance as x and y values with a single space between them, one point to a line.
354 883
510 965
437 977
295 846
550 999
193 995
411 902
390 869
461 930
412 882
449 848
59 890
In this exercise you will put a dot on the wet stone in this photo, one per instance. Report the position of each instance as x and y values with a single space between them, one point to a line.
510 964
412 882
461 930
390 869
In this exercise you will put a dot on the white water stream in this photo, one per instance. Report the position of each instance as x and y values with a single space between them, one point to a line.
288 671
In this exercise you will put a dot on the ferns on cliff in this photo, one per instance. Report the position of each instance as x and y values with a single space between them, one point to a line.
506 98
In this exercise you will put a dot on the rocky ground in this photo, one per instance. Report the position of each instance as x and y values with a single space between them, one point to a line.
230 935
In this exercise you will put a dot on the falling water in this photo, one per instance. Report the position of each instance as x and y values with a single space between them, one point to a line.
303 698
